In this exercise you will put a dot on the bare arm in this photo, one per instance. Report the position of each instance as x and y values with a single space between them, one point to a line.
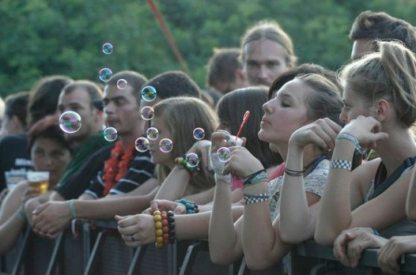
411 197
11 229
224 243
174 186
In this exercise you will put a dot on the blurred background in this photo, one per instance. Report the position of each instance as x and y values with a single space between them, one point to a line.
40 37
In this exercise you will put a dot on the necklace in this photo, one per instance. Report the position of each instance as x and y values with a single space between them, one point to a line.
115 168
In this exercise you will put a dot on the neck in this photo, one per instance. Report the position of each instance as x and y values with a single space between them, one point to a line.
399 146
128 139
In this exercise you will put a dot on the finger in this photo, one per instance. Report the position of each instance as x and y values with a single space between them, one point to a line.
180 209
327 136
154 206
40 208
128 221
333 125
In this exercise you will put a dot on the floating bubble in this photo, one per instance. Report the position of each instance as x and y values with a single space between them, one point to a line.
192 159
165 145
147 113
121 84
152 133
224 154
105 74
141 144
110 134
107 48
199 133
148 93
70 122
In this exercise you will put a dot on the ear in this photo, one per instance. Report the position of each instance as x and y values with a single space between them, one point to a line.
383 109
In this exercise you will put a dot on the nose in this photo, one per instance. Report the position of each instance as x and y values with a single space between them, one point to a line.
267 107
263 72
343 116
109 108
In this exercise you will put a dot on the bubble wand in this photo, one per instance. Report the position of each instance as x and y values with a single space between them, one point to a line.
243 123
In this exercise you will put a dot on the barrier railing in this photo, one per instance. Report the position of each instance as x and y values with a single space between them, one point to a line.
182 258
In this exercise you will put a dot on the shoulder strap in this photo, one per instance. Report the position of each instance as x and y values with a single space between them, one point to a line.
380 187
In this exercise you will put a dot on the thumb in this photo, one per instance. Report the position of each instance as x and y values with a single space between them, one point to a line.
154 206
244 141
380 136
118 218
350 236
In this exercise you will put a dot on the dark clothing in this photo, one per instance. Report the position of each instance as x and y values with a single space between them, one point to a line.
79 181
14 155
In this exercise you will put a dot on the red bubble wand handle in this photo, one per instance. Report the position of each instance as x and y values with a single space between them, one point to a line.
243 123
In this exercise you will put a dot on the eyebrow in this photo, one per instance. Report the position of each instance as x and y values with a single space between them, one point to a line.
114 98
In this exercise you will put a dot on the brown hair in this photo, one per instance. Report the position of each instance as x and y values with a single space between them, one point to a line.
222 66
182 115
389 74
270 30
94 91
382 26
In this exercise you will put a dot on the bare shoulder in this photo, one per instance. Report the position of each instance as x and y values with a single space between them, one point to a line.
364 174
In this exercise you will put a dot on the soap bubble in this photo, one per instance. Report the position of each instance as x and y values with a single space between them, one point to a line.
121 84
110 134
141 144
147 113
165 145
152 133
224 154
70 122
105 74
107 48
199 133
148 93
192 159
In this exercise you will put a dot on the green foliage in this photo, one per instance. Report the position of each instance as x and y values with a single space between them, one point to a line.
43 37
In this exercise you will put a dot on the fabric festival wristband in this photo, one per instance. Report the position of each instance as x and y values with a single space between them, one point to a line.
257 177
341 164
353 139
72 209
258 198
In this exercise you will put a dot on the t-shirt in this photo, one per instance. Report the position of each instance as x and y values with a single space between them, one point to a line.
141 169
14 155
315 182
80 180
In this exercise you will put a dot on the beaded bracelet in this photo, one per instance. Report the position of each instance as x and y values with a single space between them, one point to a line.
164 228
353 139
192 170
190 206
341 164
256 177
171 225
72 209
157 218
252 199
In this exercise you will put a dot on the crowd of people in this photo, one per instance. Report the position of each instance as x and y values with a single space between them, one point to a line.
295 151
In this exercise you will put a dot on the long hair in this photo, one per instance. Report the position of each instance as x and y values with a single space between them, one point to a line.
231 109
182 115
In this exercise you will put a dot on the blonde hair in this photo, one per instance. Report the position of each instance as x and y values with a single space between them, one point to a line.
270 30
182 115
389 73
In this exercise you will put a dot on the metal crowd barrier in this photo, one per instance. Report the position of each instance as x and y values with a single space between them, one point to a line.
99 249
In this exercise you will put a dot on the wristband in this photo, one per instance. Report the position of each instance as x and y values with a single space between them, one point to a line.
294 173
72 209
257 177
353 139
341 164
192 170
258 198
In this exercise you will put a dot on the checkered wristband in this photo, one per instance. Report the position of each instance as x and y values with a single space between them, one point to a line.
341 164
252 199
